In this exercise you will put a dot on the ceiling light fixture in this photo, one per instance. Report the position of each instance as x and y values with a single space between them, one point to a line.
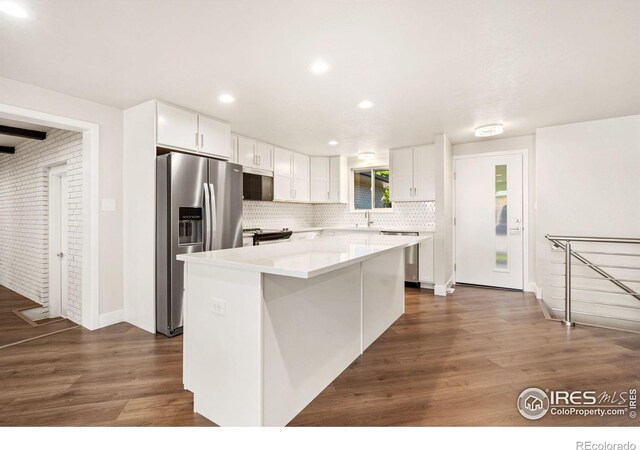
13 9
365 104
333 142
226 98
319 67
366 155
489 130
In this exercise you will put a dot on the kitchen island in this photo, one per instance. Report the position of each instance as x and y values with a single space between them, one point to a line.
267 328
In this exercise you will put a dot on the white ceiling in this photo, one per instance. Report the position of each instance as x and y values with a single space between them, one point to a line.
429 66
13 141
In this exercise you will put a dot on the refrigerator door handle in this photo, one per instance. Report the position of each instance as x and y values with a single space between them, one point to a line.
207 218
213 215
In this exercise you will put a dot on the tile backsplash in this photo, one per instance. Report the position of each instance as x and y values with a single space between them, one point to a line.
276 215
404 215
303 215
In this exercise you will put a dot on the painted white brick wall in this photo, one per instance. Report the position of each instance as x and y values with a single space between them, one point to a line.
24 228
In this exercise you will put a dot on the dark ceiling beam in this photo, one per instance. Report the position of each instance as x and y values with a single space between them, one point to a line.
23 133
4 149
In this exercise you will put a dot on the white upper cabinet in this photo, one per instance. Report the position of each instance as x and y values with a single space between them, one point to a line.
401 167
246 151
264 156
291 176
183 129
424 173
300 177
177 127
319 180
412 174
214 137
255 154
328 181
233 141
338 180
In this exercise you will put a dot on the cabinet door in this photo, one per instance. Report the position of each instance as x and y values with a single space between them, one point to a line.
214 137
246 152
401 167
282 188
319 179
233 142
424 173
426 261
282 162
338 180
177 127
300 177
264 155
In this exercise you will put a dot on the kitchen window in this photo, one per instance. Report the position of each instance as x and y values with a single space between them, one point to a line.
370 189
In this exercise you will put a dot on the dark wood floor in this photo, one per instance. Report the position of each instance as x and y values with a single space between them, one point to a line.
13 328
459 361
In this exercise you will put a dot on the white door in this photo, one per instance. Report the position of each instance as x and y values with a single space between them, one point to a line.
488 221
177 127
214 137
58 242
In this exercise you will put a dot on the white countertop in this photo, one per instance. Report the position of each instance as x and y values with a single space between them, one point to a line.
307 258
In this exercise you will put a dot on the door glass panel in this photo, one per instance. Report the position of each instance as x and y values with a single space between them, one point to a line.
362 189
502 243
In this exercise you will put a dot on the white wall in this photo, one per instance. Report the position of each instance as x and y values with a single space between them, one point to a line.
109 119
443 238
588 183
24 217
510 144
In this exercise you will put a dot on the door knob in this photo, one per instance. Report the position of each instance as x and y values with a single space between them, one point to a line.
60 255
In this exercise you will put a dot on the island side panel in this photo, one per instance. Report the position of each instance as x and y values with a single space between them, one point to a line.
382 294
223 349
311 334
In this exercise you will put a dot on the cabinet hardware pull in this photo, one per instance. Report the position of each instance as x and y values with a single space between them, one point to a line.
201 141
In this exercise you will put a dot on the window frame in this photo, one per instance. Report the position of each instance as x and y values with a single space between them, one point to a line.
352 172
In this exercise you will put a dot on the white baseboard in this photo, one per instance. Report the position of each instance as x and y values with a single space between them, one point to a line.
111 318
443 289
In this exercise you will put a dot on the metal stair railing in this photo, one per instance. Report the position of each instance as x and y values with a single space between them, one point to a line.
564 243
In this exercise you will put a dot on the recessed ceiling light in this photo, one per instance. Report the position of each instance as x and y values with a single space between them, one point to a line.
366 155
226 98
14 10
365 104
489 130
333 142
319 67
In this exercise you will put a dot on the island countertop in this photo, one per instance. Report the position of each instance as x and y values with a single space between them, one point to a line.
304 259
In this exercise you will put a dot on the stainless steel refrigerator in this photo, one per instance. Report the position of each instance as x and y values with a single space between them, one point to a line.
198 208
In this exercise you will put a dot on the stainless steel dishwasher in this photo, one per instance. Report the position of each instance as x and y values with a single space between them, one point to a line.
411 257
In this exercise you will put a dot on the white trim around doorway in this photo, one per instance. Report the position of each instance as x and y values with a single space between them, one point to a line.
90 201
527 285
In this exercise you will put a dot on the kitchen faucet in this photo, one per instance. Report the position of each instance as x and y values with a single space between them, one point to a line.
367 215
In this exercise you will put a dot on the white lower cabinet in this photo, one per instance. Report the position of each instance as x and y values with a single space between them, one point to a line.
304 236
425 261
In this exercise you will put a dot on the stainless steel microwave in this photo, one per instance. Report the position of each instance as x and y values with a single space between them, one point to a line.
257 187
